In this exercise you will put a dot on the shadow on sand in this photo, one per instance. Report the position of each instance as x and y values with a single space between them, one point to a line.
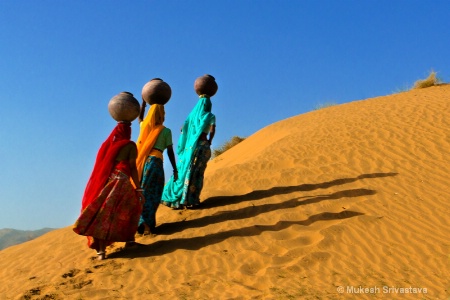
260 194
255 210
195 243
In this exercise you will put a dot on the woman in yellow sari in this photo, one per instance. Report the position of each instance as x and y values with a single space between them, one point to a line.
153 139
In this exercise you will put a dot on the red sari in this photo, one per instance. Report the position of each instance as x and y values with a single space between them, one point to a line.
110 207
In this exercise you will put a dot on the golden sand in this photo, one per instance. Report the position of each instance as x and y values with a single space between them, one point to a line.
346 202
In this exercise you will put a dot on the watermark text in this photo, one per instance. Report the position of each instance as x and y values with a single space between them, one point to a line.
350 289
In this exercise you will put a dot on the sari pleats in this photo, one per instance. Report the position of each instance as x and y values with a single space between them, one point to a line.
193 181
153 185
112 216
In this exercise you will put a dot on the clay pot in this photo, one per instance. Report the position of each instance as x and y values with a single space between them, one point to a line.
156 91
205 84
124 107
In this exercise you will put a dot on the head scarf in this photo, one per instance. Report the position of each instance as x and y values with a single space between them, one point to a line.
151 127
104 163
197 121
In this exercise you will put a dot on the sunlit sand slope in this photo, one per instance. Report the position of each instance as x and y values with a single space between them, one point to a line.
346 202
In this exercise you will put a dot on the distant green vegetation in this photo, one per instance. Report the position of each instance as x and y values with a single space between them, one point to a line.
11 237
401 90
227 145
324 105
431 80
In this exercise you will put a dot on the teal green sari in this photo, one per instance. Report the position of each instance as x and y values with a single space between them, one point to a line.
198 120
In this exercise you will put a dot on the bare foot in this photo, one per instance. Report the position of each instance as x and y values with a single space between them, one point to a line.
101 255
147 230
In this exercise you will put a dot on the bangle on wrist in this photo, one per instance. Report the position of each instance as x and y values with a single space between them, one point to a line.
139 190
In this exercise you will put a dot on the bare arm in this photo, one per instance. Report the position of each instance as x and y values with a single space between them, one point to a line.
134 173
135 177
212 132
172 161
142 111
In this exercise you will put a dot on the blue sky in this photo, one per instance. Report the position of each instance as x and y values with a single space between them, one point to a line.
62 61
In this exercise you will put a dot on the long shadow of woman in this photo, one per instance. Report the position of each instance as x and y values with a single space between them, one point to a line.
196 243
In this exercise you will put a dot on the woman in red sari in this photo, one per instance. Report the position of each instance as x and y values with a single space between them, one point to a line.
111 207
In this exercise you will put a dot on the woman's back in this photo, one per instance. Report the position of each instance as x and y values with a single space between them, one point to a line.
164 139
128 152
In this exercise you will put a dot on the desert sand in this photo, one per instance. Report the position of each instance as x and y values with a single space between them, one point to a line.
345 202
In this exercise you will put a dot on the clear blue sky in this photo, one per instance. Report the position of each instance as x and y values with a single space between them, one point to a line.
62 61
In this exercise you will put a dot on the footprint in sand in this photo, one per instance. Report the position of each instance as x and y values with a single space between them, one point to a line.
71 273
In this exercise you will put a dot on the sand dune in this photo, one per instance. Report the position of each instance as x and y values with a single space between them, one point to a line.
353 196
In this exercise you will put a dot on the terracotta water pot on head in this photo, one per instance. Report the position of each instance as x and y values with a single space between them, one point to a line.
124 107
156 91
205 85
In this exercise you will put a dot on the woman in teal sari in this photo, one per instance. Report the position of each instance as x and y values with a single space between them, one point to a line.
194 152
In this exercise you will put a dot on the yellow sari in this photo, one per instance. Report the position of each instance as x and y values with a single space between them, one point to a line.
151 127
